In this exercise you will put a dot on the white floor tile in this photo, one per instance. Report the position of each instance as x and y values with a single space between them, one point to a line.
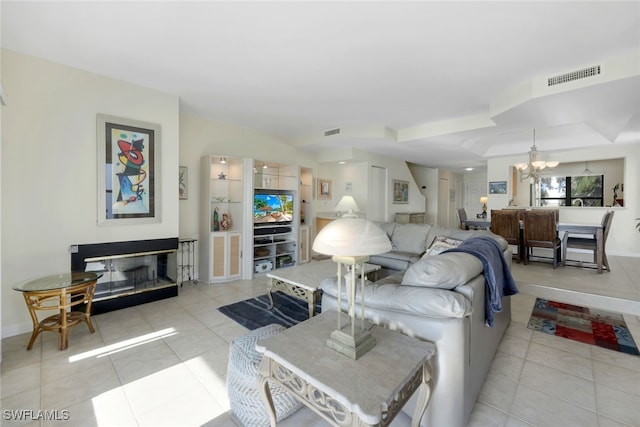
147 377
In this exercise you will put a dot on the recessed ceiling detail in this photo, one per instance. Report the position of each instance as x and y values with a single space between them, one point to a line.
574 75
330 132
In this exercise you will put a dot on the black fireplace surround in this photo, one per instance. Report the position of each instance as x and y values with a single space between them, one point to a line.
132 272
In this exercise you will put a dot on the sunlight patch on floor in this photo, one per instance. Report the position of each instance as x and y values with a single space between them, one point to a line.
124 345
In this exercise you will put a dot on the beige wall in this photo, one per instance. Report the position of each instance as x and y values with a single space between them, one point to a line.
1 107
200 137
49 190
623 238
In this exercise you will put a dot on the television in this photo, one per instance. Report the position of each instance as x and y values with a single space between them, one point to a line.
272 207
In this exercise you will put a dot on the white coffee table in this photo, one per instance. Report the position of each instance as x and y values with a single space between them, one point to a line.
369 391
303 281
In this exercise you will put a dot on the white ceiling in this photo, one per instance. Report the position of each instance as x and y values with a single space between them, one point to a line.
444 84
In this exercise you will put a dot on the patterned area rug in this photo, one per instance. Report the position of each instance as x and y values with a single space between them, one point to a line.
589 325
254 313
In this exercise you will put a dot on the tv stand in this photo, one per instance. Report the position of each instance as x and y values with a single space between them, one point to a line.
278 229
274 246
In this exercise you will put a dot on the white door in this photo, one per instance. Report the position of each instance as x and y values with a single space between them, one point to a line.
443 202
378 190
473 191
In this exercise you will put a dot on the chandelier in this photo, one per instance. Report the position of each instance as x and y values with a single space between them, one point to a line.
533 169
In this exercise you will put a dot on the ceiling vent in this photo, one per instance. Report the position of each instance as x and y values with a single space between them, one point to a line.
330 132
574 75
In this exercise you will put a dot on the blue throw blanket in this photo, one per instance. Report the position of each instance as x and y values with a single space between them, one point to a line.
497 274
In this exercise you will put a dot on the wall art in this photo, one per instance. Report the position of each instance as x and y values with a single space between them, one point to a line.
400 191
128 178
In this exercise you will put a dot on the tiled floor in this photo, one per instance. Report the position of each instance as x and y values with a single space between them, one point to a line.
164 363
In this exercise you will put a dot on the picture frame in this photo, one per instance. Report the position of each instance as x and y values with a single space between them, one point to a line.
324 189
498 187
183 183
400 191
128 171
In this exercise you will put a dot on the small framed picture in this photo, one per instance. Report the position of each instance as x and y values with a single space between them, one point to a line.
324 188
400 191
498 187
183 183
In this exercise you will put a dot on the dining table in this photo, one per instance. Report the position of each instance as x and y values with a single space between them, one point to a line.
595 229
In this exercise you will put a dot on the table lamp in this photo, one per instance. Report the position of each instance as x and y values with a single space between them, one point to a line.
350 241
484 201
348 205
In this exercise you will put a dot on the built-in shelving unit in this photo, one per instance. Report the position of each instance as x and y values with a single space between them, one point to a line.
274 250
276 216
223 198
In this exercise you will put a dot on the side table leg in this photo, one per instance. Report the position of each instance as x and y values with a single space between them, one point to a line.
312 308
269 290
423 397
265 392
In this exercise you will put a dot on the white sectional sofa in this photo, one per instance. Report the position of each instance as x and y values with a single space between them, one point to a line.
439 299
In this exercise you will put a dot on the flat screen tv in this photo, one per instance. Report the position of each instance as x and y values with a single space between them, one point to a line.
269 208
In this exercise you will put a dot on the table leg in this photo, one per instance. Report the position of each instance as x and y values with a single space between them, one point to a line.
424 395
312 305
269 290
265 392
599 249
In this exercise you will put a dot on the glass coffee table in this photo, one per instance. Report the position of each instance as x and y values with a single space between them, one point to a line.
303 281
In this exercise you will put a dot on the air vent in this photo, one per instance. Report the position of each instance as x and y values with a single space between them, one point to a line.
330 132
574 75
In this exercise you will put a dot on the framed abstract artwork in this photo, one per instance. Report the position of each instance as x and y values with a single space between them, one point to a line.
400 191
128 178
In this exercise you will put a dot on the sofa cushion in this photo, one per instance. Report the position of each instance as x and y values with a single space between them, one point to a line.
410 238
387 227
394 260
441 244
421 301
444 271
437 230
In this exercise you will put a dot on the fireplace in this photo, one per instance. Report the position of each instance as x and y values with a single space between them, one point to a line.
132 272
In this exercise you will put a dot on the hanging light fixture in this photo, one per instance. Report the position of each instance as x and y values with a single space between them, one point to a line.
223 160
533 169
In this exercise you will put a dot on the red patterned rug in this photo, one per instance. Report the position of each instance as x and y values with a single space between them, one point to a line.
589 325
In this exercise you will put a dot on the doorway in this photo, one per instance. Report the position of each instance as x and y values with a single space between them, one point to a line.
443 202
377 206
473 191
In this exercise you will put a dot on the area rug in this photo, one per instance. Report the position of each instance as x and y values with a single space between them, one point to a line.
254 313
589 325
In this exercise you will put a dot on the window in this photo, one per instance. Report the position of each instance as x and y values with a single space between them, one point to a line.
586 190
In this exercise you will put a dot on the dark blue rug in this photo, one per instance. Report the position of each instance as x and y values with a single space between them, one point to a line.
254 313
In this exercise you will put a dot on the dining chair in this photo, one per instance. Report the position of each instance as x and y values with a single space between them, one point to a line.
590 242
506 223
462 217
540 231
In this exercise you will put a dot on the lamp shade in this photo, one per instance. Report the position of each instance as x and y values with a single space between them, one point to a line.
484 200
347 204
351 237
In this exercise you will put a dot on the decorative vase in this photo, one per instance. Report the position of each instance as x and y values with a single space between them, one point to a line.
226 221
216 221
